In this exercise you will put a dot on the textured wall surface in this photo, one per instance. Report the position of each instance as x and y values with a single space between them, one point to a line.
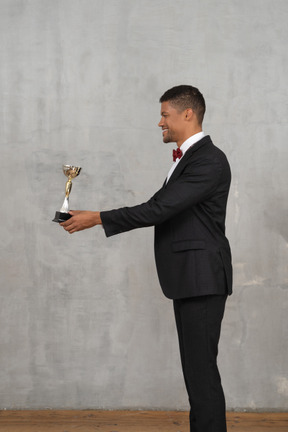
83 321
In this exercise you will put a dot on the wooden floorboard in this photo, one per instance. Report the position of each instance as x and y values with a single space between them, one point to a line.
130 421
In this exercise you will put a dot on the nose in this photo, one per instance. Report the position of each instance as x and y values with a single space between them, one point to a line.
160 124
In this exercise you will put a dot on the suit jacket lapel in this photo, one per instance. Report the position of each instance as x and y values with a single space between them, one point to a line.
188 154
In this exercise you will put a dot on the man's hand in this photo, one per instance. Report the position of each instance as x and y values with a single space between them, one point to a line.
81 220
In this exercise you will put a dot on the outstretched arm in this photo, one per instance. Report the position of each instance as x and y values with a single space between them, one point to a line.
81 220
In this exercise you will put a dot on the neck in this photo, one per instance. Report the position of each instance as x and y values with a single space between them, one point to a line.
188 135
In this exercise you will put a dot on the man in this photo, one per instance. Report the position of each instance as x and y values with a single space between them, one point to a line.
191 251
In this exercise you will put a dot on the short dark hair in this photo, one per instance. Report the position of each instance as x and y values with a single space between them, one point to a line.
186 96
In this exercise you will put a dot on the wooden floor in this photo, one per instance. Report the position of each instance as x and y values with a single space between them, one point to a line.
130 421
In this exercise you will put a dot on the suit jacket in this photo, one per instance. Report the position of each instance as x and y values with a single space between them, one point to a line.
192 253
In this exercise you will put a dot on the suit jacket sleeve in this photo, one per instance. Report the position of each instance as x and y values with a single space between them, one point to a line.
196 183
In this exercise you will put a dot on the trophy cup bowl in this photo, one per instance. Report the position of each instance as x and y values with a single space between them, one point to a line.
71 172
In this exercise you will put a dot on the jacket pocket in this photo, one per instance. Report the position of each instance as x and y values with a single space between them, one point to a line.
184 245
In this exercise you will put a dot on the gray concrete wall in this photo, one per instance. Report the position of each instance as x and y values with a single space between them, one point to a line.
83 321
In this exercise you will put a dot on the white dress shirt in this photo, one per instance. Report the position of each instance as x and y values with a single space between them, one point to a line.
184 147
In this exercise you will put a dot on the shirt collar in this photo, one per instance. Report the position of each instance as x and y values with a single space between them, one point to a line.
191 141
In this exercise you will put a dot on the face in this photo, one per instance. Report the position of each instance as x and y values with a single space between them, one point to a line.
172 123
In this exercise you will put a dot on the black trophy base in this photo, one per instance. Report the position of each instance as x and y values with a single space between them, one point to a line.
61 217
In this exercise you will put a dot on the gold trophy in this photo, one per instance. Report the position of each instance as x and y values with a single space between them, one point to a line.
71 172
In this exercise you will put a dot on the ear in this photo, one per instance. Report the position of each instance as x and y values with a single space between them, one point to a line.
189 114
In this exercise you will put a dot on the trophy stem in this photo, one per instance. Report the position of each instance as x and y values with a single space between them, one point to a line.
65 206
68 187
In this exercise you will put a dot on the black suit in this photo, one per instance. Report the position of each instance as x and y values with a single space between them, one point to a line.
191 251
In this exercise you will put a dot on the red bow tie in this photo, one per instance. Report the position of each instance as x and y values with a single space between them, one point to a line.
177 154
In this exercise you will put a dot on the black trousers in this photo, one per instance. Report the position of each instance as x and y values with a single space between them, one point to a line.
198 323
